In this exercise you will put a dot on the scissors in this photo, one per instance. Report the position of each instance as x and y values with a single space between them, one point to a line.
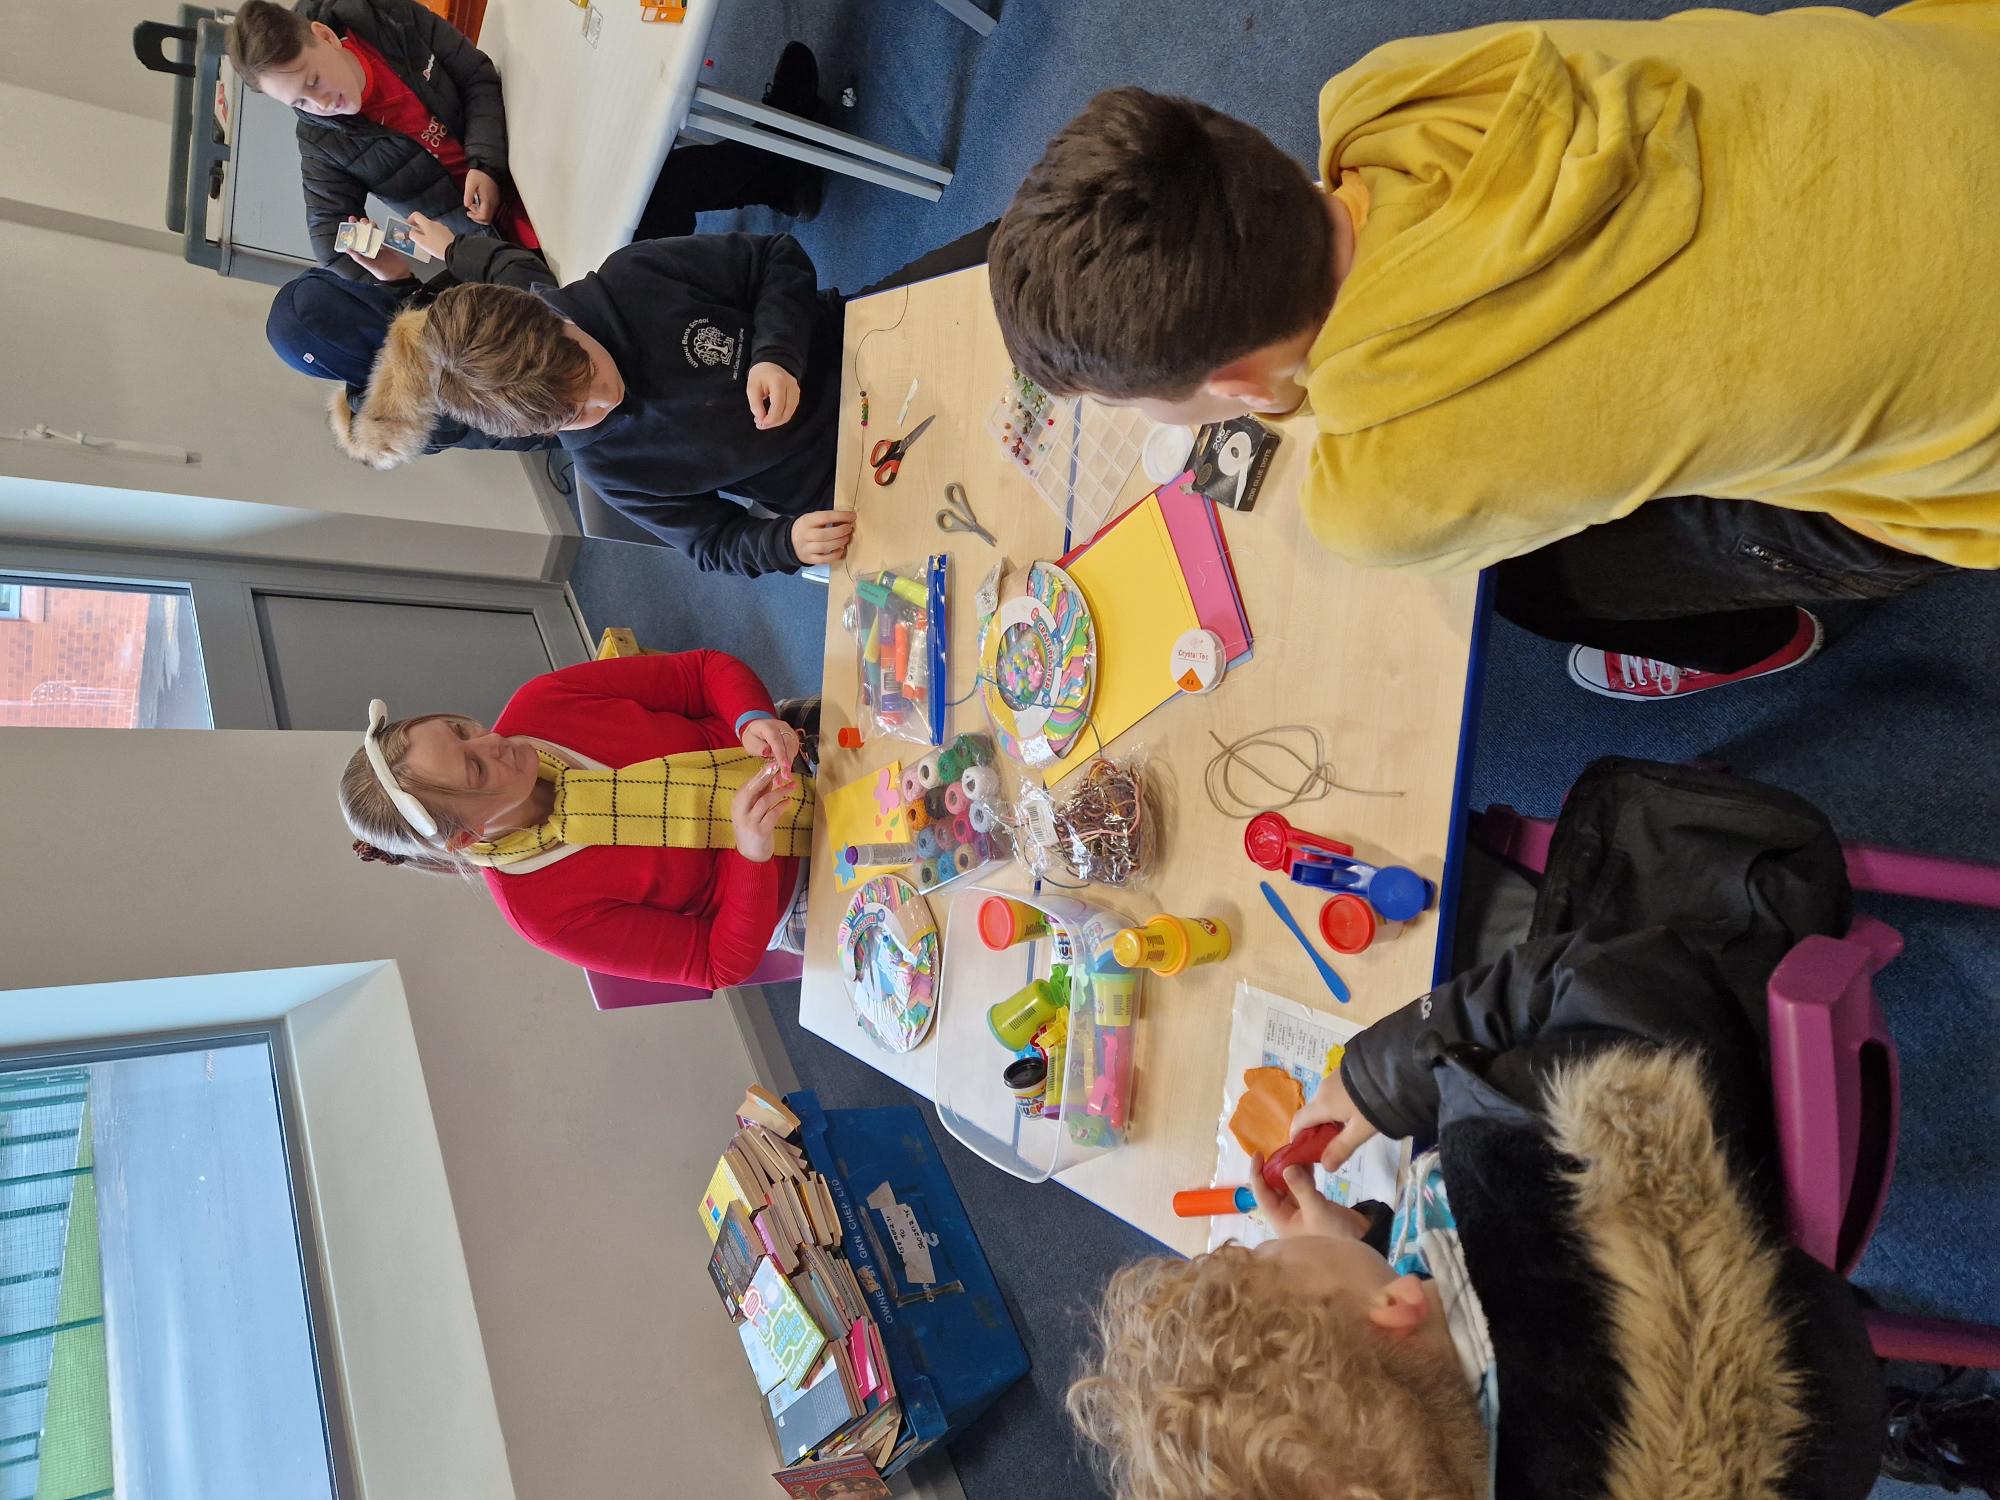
887 456
957 514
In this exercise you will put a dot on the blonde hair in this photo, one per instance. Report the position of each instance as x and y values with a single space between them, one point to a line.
1213 1381
501 362
380 831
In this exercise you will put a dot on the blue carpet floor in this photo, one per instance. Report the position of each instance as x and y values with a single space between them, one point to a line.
1892 730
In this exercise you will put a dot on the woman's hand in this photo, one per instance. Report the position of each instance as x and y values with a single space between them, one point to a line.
1330 1105
385 264
776 741
433 236
773 393
482 196
821 536
754 814
1302 1209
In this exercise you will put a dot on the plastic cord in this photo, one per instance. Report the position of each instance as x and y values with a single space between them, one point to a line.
1316 776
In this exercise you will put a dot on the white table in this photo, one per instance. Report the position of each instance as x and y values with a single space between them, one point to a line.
589 126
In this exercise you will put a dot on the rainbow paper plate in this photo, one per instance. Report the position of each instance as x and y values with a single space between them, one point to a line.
891 977
1038 667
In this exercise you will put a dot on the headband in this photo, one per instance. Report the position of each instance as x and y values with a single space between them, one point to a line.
412 810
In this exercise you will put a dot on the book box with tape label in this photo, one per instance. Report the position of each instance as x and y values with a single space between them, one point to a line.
951 1345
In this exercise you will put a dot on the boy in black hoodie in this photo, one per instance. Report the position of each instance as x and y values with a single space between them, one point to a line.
679 372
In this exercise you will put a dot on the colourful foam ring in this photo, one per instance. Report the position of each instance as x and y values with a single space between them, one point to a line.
913 789
927 874
927 843
946 834
962 831
983 847
964 859
934 800
984 820
927 770
955 800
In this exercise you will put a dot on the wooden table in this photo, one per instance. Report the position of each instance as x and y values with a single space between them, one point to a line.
589 126
1379 662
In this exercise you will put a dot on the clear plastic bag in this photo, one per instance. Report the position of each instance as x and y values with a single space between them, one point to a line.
898 618
1100 828
952 803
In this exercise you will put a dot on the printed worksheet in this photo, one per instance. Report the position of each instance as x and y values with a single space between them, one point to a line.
1269 1031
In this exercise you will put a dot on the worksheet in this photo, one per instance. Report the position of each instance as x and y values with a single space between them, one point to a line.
1270 1031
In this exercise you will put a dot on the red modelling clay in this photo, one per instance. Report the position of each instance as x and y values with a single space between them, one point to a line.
1302 1151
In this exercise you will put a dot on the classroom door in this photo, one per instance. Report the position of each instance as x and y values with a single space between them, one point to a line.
328 657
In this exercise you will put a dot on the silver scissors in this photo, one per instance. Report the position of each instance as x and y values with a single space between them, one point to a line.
957 514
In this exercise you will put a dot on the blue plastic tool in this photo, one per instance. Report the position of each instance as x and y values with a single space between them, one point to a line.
1333 981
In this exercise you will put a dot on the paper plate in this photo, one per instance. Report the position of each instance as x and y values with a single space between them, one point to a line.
1038 667
894 993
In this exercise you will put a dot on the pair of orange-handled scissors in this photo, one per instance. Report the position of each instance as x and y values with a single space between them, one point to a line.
887 456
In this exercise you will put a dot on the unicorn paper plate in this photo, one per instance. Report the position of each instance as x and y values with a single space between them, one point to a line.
1038 667
888 949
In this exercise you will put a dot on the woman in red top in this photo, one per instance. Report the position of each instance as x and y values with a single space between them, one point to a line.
431 792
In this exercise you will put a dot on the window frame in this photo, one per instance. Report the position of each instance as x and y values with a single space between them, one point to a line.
277 1042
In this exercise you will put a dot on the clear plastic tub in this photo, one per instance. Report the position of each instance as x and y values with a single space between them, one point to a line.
1093 1105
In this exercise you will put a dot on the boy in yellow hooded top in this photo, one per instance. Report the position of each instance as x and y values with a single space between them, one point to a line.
1683 323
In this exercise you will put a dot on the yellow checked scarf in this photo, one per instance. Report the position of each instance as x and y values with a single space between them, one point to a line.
674 802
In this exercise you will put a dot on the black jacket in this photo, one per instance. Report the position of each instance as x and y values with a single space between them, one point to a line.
344 158
684 320
1601 1101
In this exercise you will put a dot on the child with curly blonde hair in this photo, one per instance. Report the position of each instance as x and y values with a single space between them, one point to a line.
1584 1290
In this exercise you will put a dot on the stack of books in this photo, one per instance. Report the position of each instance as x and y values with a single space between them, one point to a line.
800 1313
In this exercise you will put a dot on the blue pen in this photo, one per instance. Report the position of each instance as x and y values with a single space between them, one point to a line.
1333 981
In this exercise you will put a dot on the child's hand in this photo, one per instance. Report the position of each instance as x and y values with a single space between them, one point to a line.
482 196
754 814
385 264
776 741
1303 1209
774 395
821 536
433 236
1330 1105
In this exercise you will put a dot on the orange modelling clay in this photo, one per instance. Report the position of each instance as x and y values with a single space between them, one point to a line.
1262 1119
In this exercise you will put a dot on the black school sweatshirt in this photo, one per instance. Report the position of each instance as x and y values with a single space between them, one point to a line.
684 320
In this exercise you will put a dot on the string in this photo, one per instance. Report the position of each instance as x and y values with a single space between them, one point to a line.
867 444
1316 779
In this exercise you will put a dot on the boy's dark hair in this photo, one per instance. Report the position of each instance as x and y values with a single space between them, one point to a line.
266 38
1156 241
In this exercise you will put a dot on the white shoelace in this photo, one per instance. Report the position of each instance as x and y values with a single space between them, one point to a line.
1640 671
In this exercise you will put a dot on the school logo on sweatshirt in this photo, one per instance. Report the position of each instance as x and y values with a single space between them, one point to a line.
704 344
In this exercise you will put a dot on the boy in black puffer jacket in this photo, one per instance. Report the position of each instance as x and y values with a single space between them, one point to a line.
1586 1289
393 100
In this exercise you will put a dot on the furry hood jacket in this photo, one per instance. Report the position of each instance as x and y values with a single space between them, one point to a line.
398 413
1601 1102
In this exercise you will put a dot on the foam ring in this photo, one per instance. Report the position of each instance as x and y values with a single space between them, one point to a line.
964 859
955 800
927 771
913 788
927 843
983 847
947 836
927 874
934 800
981 783
982 818
916 817
962 830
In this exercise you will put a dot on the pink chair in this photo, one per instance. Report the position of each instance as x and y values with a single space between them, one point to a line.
615 992
1834 1078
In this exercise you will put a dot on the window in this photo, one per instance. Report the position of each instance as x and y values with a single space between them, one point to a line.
157 1329
88 654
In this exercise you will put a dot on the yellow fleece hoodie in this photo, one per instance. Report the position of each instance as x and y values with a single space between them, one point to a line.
1750 257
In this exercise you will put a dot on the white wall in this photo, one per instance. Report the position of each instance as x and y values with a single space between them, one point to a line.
82 49
127 180
122 342
576 1144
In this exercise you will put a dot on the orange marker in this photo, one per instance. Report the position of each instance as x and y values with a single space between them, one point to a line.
1202 1203
902 652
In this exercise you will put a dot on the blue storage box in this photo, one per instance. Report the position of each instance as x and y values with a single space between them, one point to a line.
952 1348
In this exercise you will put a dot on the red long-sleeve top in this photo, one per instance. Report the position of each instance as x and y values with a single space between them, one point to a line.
682 916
